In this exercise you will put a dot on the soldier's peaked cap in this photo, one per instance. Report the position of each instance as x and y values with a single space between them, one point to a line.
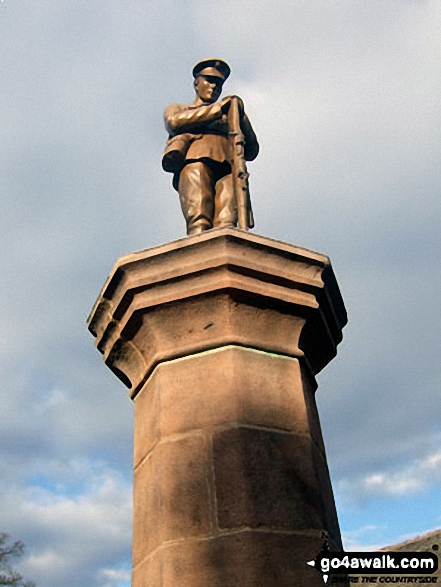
214 67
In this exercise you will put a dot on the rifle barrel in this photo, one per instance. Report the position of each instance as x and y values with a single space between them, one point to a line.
239 169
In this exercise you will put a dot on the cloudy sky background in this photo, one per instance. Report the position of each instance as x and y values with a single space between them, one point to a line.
345 98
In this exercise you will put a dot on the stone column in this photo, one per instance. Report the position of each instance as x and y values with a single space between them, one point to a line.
219 337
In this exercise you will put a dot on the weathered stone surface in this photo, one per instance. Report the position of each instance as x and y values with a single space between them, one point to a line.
147 419
147 522
266 479
171 495
149 572
329 512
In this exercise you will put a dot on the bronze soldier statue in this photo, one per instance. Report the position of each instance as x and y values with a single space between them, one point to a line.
208 144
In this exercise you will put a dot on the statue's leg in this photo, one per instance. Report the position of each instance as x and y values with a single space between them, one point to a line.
196 193
225 203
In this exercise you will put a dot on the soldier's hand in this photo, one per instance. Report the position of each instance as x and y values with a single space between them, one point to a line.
226 102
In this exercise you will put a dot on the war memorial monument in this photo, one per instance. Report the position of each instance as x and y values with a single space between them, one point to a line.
219 336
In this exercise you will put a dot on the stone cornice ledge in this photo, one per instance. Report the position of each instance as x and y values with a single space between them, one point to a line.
136 327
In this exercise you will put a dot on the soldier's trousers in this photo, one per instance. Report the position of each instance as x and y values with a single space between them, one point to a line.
206 195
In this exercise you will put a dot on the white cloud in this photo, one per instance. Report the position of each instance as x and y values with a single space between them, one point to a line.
40 563
72 536
366 538
113 577
413 477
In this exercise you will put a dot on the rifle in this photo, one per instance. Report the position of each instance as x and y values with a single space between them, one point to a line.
239 169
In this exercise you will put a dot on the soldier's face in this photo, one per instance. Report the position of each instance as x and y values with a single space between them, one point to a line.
208 88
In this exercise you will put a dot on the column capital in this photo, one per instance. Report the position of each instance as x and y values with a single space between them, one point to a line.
224 287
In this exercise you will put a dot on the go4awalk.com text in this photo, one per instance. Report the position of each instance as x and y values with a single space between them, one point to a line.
377 567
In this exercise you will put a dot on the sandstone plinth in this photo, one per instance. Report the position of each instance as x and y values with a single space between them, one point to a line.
219 337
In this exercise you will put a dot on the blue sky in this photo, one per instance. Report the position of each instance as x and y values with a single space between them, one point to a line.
344 97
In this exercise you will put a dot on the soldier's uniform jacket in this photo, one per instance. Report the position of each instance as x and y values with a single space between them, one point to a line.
201 132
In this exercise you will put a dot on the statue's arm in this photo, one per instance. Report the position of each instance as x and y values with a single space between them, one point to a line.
251 143
179 118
